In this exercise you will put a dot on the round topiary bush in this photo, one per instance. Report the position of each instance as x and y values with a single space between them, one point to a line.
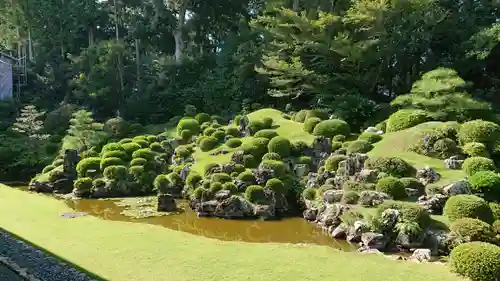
300 116
156 147
495 208
393 166
138 162
58 162
219 135
145 153
255 126
317 113
307 160
246 176
266 133
351 185
331 128
391 186
486 182
249 161
267 122
47 169
188 124
406 118
233 143
208 144
336 145
151 139
298 148
91 163
433 189
215 187
445 148
255 194
332 162
481 131
186 135
359 146
198 192
496 227
117 172
202 117
115 153
477 261
309 193
209 131
409 212
310 124
271 156
472 230
237 119
230 186
193 179
112 161
475 149
131 147
280 145
370 137
382 125
125 140
278 167
276 185
467 206
82 186
232 131
220 177
161 184
339 138
412 183
350 197
476 164
256 147
112 146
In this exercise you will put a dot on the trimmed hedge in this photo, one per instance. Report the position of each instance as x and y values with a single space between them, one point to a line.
280 145
359 146
208 144
391 186
311 123
112 161
271 156
472 230
331 128
266 133
278 167
467 206
91 163
445 148
276 185
475 149
116 172
233 143
309 193
255 194
479 131
332 162
409 212
256 146
476 164
486 182
220 177
82 185
188 124
145 153
202 117
370 137
406 118
300 116
230 186
477 261
393 166
350 197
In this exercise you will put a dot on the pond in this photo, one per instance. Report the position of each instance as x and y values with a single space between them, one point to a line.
287 230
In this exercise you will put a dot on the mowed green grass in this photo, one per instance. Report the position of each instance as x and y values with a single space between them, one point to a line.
126 251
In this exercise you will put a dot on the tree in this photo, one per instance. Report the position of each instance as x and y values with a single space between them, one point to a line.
84 132
30 125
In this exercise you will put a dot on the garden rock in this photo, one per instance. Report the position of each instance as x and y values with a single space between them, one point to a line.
410 192
301 170
372 198
330 215
228 168
460 187
166 203
352 165
367 176
185 172
321 178
237 157
453 163
427 175
311 180
289 164
388 219
41 187
222 195
212 170
232 208
409 241
207 208
262 175
321 149
71 159
374 240
241 185
243 126
421 255
310 214
433 204
354 232
281 204
332 196
265 212
339 232
220 152
374 130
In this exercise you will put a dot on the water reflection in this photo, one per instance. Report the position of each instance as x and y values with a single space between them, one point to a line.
290 230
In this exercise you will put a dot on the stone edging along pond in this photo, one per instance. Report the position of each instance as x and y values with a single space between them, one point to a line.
33 264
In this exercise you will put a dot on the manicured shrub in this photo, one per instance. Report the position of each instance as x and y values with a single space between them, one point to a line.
359 146
266 133
280 145
409 212
346 144
138 162
477 261
298 148
145 153
267 122
370 137
382 125
232 131
472 230
182 152
255 194
116 154
188 124
317 113
202 118
91 163
278 167
353 185
217 118
393 166
58 162
233 143
209 131
412 183
208 144
276 185
142 143
481 131
476 164
112 146
186 135
136 138
193 179
300 116
131 147
220 177
495 208
230 186
307 160
156 147
256 146
475 149
445 148
467 206
112 161
406 118
198 192
271 156
350 197
255 126
249 161
47 169
161 183
332 162
339 138
331 128
336 145
433 189
486 182
496 227
215 187
237 120
219 135
116 172
151 138
209 167
391 186
56 174
309 193
246 176
82 185
310 124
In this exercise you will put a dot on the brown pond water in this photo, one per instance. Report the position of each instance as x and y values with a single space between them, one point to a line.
288 230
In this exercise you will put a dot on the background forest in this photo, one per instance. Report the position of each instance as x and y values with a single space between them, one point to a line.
144 61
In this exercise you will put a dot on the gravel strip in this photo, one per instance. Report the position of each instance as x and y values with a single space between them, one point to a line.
33 264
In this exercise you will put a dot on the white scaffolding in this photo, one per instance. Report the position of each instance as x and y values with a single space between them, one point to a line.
13 75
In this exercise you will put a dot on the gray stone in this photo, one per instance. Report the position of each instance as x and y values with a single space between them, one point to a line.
433 204
166 203
374 240
222 195
453 163
233 208
427 175
339 232
410 192
332 196
354 233
265 212
310 214
421 255
367 175
388 219
372 198
301 170
374 130
460 187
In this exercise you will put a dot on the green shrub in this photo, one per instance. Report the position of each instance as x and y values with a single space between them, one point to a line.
208 144
445 148
433 189
91 163
472 230
393 166
317 113
350 197
495 208
255 194
339 138
246 176
151 139
138 162
209 131
346 144
271 156
161 183
232 131
266 133
145 153
276 185
56 174
352 185
406 118
477 261
83 185
188 124
198 192
131 147
237 119
359 146
112 146
230 186
486 182
311 123
112 161
256 147
336 145
382 125
219 135
202 118
220 177
267 122
496 227
332 162
255 126
309 193
215 187
249 161
47 169
233 143
142 143
182 152
409 212
116 172
370 137
186 135
307 160
475 149
280 145
412 183
116 154
156 147
467 206
193 179
392 186
58 162
136 138
331 128
300 116
216 118
476 164
298 148
278 167
481 131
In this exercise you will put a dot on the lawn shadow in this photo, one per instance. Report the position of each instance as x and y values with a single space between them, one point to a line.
77 267
275 126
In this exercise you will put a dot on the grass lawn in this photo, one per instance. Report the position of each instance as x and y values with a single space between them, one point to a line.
127 251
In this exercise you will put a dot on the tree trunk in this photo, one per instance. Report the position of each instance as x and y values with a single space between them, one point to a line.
138 65
179 43
30 45
295 6
117 33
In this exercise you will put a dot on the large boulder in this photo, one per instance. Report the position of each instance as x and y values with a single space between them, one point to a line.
374 240
330 215
301 170
41 187
166 203
206 208
310 214
427 175
333 196
434 204
460 187
265 212
374 130
339 232
352 165
453 163
233 208
421 255
367 176
372 198
222 195
354 232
